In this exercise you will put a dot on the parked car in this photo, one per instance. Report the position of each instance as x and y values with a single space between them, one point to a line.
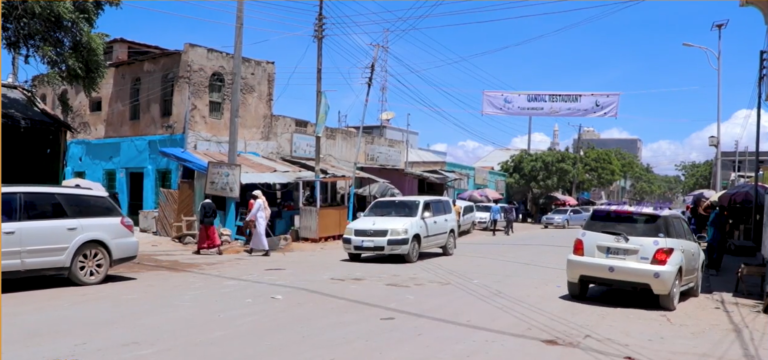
467 217
483 216
565 217
637 248
403 226
77 232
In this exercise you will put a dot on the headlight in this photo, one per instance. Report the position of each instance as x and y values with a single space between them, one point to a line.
398 232
349 232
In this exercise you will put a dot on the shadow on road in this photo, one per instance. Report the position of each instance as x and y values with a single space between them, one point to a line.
36 283
620 298
394 259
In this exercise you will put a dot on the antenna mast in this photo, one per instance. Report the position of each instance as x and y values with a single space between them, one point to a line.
384 75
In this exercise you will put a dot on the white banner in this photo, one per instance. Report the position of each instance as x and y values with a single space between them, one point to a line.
551 104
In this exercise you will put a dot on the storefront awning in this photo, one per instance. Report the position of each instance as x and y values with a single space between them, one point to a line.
433 178
331 171
186 158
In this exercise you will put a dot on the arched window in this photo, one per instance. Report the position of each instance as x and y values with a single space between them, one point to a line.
64 105
166 86
216 95
44 99
135 100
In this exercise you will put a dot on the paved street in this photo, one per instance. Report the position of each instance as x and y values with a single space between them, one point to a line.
497 298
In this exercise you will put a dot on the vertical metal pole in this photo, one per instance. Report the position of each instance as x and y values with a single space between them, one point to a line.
718 165
530 126
578 161
757 143
407 138
318 95
234 109
736 167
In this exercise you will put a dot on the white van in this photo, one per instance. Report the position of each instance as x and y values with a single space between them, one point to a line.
467 217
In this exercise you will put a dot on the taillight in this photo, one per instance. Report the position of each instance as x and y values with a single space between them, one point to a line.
661 256
127 223
578 247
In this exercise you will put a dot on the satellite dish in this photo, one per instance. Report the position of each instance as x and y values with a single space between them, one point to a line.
386 116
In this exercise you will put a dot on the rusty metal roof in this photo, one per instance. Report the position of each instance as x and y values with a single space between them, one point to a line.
146 45
258 170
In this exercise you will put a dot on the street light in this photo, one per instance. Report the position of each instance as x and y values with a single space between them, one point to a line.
716 26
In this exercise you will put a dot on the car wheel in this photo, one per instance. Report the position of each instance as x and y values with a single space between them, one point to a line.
413 252
354 257
695 291
546 227
471 228
578 290
450 245
90 265
669 301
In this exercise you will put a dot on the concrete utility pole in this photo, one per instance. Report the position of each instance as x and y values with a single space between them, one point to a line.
319 95
736 167
360 132
407 138
234 108
530 127
760 80
577 150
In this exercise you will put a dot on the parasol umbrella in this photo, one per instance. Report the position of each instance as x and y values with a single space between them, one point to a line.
491 194
379 190
474 196
561 199
695 196
743 195
86 184
714 198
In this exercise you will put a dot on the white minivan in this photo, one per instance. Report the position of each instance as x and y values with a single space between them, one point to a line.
403 226
49 230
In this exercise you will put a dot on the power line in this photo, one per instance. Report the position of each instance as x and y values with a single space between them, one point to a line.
301 58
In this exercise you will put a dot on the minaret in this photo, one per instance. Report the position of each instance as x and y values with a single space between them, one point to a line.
555 144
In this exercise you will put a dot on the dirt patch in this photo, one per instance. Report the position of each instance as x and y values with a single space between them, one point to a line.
146 263
310 246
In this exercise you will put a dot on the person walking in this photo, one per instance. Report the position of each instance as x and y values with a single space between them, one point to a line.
510 216
495 216
457 210
716 242
260 215
250 224
207 235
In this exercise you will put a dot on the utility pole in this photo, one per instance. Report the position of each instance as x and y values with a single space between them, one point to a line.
407 138
384 75
234 108
736 167
530 127
578 161
339 119
760 80
360 131
319 95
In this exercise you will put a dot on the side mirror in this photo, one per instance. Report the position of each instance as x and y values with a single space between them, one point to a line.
701 238
359 215
426 215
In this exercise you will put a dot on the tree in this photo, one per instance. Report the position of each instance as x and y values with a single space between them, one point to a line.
539 174
696 175
60 36
598 169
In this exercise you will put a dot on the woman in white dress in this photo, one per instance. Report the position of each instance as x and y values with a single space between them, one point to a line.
260 214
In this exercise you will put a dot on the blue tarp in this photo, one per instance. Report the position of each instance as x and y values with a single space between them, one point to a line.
185 158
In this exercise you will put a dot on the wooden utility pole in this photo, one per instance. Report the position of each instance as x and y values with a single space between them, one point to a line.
407 138
319 95
234 109
360 131
760 81
577 150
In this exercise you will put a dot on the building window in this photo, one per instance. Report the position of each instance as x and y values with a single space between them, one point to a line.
162 181
44 99
108 51
166 107
95 105
78 174
135 100
216 95
110 180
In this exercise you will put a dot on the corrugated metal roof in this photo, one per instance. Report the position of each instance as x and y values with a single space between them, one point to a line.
22 108
258 170
496 157
333 170
418 155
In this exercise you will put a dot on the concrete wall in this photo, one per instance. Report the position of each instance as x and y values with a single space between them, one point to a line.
124 155
408 185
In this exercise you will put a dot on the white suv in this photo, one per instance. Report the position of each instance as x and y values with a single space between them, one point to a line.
63 230
402 226
637 248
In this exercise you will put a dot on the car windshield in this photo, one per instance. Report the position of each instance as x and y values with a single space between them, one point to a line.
559 212
631 224
586 209
483 208
393 208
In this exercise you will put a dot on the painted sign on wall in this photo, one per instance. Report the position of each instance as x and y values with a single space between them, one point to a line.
501 186
303 146
383 155
223 179
481 176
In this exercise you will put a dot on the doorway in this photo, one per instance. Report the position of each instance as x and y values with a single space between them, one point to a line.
135 194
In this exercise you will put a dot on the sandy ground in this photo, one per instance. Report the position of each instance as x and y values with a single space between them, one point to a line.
497 298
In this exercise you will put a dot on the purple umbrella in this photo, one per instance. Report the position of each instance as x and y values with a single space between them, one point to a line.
743 195
474 196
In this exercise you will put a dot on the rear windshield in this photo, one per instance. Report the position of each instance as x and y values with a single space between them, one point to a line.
631 224
483 208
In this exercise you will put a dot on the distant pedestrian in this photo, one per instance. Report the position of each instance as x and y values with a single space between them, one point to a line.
260 215
457 210
250 224
716 241
509 216
495 216
208 235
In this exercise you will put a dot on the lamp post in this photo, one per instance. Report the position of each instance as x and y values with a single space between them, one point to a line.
716 26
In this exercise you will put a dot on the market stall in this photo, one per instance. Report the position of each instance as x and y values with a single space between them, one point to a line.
325 219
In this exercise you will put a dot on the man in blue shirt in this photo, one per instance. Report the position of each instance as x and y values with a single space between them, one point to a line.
495 216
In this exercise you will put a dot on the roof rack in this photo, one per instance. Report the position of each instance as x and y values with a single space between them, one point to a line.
40 185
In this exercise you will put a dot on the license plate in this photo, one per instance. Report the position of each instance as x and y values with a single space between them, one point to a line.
367 243
614 252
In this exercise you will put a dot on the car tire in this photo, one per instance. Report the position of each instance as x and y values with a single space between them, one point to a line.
413 252
669 301
546 227
471 228
695 291
90 265
354 257
578 290
450 245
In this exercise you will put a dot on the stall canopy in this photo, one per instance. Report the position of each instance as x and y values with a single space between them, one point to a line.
331 171
255 169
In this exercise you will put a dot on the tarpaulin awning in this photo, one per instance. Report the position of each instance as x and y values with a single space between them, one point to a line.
433 178
331 171
186 158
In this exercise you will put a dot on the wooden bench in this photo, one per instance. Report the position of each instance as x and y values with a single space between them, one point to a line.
756 270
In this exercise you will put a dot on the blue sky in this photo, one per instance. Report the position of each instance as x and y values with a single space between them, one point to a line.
669 90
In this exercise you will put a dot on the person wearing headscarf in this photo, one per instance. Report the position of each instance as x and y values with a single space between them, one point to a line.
208 235
260 215
716 242
250 224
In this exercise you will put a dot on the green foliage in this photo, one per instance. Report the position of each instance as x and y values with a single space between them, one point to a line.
58 35
696 175
540 173
598 169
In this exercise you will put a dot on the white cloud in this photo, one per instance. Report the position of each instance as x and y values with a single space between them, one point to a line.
465 152
615 133
539 141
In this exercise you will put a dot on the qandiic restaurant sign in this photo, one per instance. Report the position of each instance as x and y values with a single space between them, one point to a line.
554 104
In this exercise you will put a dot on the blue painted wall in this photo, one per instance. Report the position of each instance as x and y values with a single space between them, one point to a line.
492 177
124 155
